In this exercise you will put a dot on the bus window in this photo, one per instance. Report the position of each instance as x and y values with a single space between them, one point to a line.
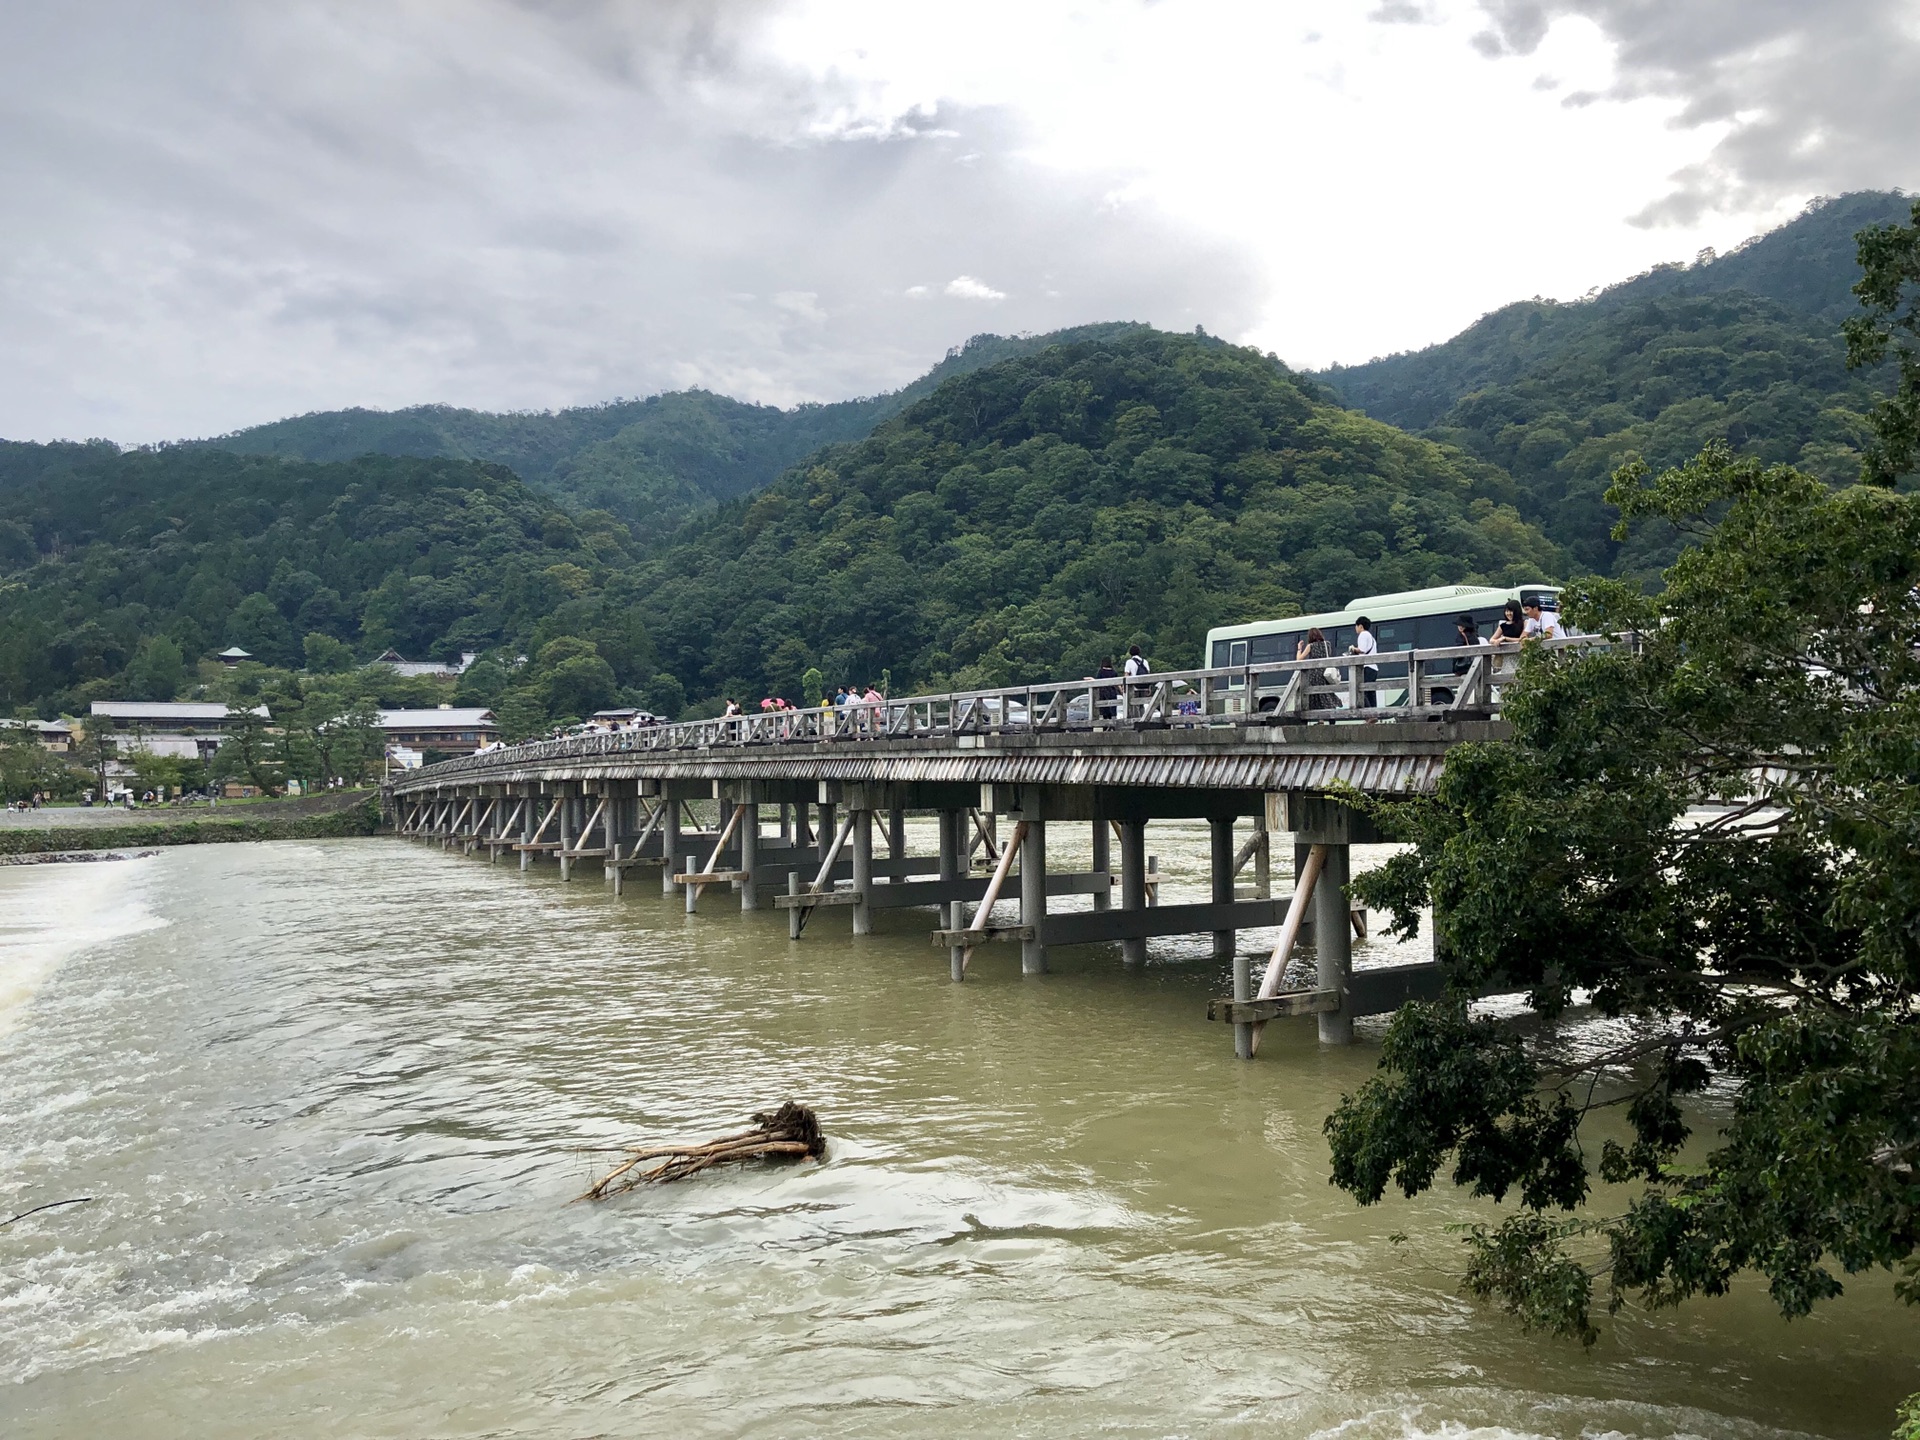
1436 631
1237 653
1394 634
1220 654
1271 647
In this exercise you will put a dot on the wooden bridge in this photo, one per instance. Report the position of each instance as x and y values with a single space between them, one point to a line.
795 798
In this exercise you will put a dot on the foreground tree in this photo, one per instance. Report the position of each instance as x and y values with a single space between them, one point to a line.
1712 834
1889 291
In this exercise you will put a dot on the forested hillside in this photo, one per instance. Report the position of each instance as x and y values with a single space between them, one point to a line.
118 572
1020 521
651 462
1745 347
1032 517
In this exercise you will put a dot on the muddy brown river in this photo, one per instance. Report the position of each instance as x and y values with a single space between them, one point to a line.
329 1100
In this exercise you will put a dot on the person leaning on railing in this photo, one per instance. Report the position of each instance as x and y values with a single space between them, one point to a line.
1469 632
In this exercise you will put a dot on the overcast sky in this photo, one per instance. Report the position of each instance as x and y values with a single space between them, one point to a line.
215 214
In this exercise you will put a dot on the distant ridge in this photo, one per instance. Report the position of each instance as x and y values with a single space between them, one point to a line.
652 463
1743 346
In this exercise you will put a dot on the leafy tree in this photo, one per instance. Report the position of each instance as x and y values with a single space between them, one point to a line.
26 767
1773 942
326 655
251 750
158 669
95 752
1889 288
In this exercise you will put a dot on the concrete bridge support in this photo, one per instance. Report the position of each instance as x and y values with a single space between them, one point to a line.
1133 884
749 837
1033 897
1333 942
1102 860
862 870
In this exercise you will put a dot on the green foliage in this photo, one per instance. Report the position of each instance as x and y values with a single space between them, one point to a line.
27 768
1889 288
151 557
1743 348
1773 941
157 671
1031 517
648 463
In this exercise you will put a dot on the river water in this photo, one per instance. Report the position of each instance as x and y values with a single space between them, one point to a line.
329 1099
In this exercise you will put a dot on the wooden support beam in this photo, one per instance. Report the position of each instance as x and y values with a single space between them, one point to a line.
1303 885
1273 1007
947 939
808 899
710 877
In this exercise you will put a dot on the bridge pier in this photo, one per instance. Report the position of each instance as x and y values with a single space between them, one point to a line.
1220 848
953 857
1033 897
1102 860
1133 885
1333 943
862 870
671 848
749 854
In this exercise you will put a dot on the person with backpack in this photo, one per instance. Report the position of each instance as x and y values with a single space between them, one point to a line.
1136 668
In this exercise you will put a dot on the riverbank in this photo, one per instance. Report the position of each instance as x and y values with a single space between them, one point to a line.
314 817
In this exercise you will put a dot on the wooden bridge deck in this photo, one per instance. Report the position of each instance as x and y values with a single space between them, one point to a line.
1273 745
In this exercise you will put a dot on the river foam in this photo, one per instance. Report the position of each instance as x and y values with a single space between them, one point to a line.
50 913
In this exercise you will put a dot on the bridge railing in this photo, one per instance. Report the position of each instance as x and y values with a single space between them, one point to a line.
1447 682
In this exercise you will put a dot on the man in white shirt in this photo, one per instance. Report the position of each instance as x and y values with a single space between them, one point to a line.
1365 644
1541 624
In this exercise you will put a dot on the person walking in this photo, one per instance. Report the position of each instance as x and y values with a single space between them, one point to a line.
1313 646
1366 646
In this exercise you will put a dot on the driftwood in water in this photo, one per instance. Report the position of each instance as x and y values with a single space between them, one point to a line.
792 1131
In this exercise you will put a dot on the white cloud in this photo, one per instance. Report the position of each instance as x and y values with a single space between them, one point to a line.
222 213
965 287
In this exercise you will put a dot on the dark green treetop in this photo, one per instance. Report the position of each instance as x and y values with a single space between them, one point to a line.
1889 289
1770 939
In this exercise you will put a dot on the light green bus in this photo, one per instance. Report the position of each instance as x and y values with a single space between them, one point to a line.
1405 620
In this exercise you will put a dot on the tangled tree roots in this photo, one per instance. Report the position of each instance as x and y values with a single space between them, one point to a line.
791 1131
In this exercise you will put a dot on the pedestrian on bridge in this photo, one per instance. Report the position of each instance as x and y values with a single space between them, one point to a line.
1366 646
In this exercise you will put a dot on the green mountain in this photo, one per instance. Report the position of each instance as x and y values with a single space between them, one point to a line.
109 560
651 462
1034 516
1745 346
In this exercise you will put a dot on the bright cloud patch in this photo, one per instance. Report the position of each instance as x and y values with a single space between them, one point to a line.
965 287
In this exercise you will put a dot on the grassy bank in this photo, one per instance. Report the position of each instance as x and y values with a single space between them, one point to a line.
359 816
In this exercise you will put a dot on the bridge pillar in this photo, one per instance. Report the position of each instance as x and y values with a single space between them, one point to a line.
1133 884
862 870
829 824
565 823
1220 832
528 824
953 856
896 834
670 846
1033 898
1102 861
749 856
1333 942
